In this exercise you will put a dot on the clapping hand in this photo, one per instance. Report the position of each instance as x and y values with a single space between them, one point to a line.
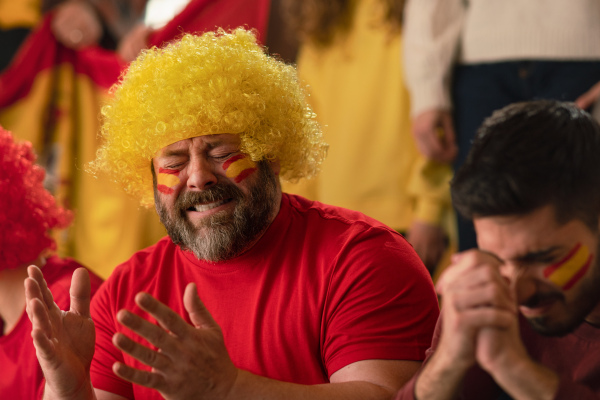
191 360
64 340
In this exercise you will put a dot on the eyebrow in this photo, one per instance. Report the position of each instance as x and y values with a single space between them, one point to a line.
174 152
211 143
538 255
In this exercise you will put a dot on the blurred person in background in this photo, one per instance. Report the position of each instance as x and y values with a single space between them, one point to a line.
465 59
350 58
28 213
77 23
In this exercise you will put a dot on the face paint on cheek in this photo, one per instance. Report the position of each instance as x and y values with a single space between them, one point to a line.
166 180
239 167
568 271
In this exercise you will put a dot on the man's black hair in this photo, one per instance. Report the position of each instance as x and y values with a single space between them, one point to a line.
528 155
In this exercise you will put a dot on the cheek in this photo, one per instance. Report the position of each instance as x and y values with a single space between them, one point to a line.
167 180
568 271
239 168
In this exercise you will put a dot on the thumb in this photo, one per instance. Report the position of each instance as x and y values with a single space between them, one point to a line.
199 315
80 292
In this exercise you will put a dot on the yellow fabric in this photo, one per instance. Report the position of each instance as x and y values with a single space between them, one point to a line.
19 13
357 91
60 116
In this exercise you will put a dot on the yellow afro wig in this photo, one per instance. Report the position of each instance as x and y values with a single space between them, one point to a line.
219 82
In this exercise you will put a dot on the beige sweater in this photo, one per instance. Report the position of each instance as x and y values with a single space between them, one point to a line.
440 33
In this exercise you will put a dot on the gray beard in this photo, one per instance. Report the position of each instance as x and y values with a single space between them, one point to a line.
223 236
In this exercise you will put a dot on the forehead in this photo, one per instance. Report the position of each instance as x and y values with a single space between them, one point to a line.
198 143
511 237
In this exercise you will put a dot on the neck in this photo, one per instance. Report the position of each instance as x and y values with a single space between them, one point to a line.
12 295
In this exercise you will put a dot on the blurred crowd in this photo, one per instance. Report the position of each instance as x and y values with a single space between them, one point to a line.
399 90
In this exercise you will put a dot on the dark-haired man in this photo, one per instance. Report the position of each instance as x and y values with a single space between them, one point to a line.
521 315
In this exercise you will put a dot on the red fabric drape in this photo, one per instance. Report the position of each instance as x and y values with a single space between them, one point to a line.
205 15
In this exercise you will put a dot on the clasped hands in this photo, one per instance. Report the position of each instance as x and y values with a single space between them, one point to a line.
190 360
479 315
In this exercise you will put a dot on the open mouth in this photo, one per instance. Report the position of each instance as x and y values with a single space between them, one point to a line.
538 308
209 206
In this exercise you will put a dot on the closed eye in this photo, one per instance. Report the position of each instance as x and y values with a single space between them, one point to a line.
224 157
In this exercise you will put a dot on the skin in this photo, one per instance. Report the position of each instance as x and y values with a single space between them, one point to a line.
570 270
199 164
192 360
12 296
134 42
484 290
429 241
76 25
587 99
167 178
434 135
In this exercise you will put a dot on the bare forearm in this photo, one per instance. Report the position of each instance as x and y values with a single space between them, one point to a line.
527 380
440 379
250 386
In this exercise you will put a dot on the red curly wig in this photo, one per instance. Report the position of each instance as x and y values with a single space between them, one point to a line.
27 210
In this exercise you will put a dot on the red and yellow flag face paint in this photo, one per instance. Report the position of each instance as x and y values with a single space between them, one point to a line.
239 167
568 271
166 180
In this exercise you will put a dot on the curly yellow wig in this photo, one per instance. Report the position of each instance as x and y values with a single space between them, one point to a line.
219 82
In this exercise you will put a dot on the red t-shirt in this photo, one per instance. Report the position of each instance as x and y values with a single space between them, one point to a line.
21 376
324 287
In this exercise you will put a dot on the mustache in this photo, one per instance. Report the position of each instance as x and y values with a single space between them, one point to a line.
542 298
218 192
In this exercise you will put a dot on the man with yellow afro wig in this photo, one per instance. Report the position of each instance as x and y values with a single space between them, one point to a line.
299 299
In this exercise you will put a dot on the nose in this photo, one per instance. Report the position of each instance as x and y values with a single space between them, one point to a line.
200 176
522 283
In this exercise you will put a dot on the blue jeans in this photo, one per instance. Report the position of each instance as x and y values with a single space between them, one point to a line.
479 89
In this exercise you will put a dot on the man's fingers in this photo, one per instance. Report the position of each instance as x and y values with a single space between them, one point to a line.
166 317
469 269
41 328
489 295
44 347
44 293
198 313
486 317
155 335
139 377
80 292
140 352
429 144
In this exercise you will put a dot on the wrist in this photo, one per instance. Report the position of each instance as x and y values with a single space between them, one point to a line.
441 377
526 379
236 388
84 392
509 361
